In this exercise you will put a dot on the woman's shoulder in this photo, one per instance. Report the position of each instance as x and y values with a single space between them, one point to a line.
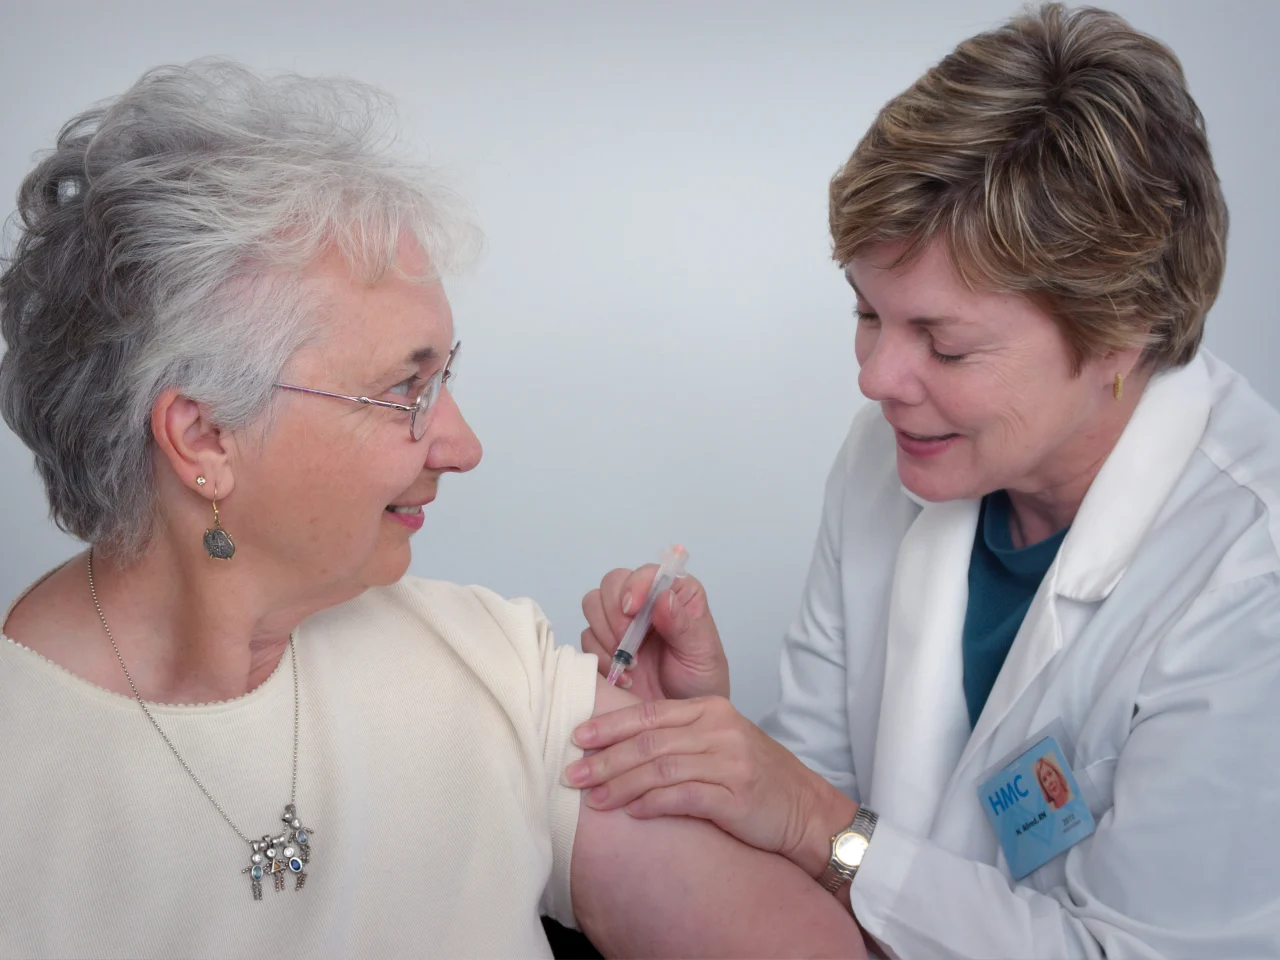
869 436
470 629
464 642
1242 436
868 459
864 492
55 619
1240 451
419 609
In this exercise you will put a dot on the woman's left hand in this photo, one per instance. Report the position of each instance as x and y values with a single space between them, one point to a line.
701 758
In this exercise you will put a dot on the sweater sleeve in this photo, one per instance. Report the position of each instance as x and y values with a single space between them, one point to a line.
560 688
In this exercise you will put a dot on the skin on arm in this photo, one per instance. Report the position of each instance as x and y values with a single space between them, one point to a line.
701 758
681 887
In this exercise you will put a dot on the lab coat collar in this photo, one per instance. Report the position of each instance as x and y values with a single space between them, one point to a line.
923 738
1122 503
1134 482
918 501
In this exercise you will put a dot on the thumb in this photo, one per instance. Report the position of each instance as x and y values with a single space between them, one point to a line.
682 619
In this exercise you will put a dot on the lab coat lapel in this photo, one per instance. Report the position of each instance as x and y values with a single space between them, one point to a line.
924 722
1116 515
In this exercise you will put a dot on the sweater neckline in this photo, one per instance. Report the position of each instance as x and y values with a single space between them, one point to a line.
260 692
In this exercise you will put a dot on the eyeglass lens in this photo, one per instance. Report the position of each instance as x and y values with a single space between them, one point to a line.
426 400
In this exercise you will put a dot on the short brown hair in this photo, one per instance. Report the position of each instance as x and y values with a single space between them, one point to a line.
1060 157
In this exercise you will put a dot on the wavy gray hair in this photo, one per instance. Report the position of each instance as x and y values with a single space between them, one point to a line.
159 246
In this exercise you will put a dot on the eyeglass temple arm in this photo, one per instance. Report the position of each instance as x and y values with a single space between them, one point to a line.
343 396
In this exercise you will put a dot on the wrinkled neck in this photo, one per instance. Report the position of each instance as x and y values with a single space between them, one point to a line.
192 629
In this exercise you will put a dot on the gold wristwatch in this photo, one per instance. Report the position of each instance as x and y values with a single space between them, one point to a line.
848 847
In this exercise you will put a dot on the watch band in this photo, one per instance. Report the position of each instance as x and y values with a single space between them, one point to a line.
833 879
837 873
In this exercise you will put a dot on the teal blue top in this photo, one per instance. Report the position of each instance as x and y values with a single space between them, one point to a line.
1002 582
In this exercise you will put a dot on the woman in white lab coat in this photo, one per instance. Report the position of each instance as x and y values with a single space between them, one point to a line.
1059 518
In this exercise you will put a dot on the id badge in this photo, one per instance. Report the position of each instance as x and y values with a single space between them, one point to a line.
1035 806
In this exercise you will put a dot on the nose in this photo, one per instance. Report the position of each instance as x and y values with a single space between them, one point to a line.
887 368
452 446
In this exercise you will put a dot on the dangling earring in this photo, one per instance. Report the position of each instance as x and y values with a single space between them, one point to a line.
1117 388
217 542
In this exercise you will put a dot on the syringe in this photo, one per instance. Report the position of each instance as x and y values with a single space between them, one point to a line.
673 563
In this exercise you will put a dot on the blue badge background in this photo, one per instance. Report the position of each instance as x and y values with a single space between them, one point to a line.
1056 833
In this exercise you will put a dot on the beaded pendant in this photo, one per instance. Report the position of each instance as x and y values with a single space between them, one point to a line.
288 852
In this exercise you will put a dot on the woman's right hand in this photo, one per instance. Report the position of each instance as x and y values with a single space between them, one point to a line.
681 657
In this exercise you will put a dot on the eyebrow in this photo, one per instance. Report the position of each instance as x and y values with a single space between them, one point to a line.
414 359
914 321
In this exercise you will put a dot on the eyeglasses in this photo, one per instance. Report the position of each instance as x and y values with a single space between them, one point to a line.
420 410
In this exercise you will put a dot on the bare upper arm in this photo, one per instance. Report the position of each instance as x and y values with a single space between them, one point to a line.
678 886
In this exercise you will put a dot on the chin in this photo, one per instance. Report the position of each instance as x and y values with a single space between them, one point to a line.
388 565
932 484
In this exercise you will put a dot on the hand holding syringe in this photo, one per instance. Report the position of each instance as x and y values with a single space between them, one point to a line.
673 564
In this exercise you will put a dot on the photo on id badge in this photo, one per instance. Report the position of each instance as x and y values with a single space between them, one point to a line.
1034 806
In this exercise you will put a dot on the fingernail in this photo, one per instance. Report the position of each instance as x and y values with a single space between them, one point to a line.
577 773
597 794
626 603
631 809
586 733
624 682
671 601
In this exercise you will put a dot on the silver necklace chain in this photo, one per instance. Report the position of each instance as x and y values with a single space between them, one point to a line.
293 658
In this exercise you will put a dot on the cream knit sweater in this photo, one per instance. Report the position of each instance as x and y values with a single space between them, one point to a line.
435 722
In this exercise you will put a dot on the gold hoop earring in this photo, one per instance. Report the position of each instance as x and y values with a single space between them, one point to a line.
217 542
1117 388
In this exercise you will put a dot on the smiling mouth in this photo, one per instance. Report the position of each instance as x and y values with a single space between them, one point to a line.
417 508
920 438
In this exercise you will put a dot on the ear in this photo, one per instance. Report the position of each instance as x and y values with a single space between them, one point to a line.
1127 363
193 445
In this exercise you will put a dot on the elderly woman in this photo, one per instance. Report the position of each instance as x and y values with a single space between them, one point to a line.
234 727
1055 533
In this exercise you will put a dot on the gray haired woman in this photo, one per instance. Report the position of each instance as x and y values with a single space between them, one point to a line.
234 725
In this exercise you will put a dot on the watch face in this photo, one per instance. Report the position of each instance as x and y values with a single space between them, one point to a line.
849 849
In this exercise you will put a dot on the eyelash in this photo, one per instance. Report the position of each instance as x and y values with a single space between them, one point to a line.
407 384
864 317
946 357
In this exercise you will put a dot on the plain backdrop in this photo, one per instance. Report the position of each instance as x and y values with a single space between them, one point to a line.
658 347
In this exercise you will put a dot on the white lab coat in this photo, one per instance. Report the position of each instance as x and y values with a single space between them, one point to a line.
1154 638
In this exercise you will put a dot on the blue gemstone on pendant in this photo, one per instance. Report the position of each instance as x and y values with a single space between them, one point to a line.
256 872
302 836
295 865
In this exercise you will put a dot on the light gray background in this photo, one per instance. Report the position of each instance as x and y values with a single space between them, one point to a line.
657 346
